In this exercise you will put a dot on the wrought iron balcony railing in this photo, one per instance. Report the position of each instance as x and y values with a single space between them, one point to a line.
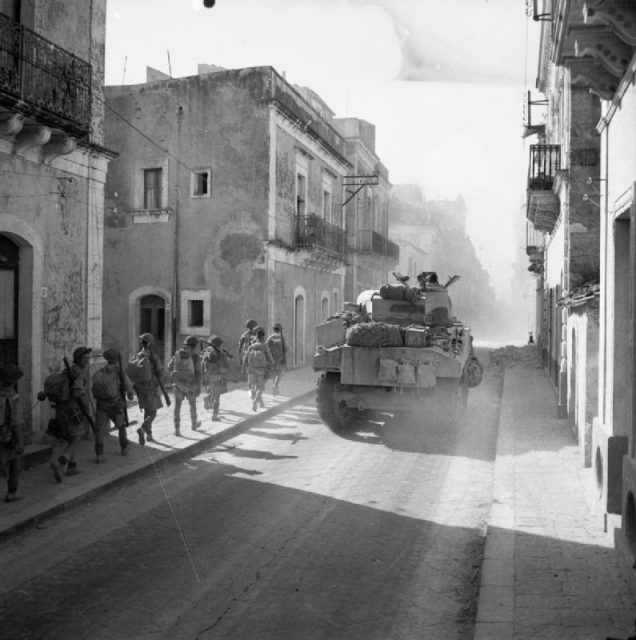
43 80
313 233
373 242
545 161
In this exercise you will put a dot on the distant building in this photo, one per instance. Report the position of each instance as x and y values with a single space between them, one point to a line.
53 168
224 204
372 255
431 235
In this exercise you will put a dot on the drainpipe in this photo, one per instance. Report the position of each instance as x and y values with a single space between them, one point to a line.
176 302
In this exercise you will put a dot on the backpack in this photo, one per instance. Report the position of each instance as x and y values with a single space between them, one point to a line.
256 357
276 348
56 387
182 367
138 370
105 385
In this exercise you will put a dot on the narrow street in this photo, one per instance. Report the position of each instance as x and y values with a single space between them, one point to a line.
286 531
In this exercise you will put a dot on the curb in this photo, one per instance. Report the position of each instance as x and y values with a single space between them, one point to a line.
495 607
170 456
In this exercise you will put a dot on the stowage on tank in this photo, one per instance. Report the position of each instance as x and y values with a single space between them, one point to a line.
398 348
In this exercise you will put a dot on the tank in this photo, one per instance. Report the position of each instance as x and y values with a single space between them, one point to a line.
397 348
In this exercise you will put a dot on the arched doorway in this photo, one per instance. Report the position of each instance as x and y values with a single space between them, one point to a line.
152 319
299 330
9 288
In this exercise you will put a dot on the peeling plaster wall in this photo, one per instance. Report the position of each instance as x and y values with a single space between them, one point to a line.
216 122
53 209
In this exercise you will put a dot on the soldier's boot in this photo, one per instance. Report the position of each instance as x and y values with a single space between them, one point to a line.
123 441
254 404
141 436
99 454
275 389
72 469
196 424
146 425
259 397
215 412
177 428
59 468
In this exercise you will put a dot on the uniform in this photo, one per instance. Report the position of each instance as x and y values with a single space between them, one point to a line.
185 374
215 364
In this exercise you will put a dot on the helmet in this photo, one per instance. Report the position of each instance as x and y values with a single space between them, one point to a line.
278 326
79 352
260 332
147 337
215 341
10 372
191 341
251 323
111 355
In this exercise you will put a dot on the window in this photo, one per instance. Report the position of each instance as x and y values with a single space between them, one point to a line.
324 308
326 206
195 313
152 188
201 183
301 194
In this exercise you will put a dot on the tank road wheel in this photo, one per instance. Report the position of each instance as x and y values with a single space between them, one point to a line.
335 414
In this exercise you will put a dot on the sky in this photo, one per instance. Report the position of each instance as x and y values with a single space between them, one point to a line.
443 81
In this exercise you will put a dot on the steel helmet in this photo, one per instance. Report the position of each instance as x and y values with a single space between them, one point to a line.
79 352
191 341
251 323
147 337
215 341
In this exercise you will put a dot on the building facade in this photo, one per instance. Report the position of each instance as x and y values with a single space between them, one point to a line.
224 204
371 254
563 239
580 187
54 168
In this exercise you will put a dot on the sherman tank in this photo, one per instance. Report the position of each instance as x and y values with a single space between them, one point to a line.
398 348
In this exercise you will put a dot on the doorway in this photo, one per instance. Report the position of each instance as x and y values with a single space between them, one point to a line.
152 319
299 330
9 287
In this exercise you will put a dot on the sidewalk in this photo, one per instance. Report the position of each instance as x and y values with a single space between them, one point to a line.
43 497
549 569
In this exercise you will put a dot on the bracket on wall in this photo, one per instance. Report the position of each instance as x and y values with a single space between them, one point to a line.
359 182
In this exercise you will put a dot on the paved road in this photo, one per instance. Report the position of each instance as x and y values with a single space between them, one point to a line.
288 531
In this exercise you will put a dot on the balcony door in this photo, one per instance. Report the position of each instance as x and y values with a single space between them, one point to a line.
9 279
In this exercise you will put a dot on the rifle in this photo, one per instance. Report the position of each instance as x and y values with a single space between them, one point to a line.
80 404
122 392
222 349
155 373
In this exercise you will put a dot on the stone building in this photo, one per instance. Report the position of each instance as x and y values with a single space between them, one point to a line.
53 168
563 222
581 197
371 254
224 204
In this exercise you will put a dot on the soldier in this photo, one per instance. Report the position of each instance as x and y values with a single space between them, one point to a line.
185 373
145 371
278 351
246 338
256 361
11 437
215 367
111 386
71 416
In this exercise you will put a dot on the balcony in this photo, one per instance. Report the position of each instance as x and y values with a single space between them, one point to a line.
40 80
314 234
373 242
543 204
535 247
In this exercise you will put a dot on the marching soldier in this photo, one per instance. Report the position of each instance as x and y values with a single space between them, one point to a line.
215 368
185 373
